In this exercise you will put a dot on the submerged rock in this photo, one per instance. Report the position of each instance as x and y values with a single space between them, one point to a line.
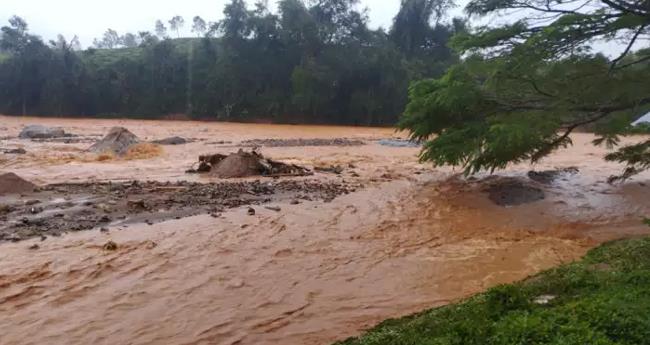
513 192
18 151
171 141
41 132
117 141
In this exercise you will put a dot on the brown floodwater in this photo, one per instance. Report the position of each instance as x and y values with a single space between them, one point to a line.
412 238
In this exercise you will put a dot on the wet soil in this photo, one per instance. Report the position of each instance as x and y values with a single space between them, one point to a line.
56 209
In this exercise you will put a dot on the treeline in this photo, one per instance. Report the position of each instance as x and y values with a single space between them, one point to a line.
307 63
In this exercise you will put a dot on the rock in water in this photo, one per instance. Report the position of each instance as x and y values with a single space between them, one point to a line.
18 151
240 164
512 192
117 141
171 141
41 132
11 183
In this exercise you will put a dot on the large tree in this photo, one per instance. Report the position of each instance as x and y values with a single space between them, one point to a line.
527 84
199 26
176 24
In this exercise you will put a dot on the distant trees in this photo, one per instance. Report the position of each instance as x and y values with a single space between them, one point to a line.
110 40
199 26
129 40
315 62
176 24
161 30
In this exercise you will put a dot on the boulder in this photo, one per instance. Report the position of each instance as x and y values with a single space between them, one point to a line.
11 183
117 141
41 132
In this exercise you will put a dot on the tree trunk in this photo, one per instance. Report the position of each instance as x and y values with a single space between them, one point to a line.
24 105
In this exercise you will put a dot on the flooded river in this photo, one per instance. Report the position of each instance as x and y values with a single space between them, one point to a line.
409 238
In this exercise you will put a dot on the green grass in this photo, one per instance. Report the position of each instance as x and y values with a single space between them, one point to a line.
603 299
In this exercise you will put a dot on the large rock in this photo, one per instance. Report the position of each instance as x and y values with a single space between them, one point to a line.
117 141
11 183
41 132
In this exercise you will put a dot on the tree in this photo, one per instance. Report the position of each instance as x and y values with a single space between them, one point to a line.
528 84
310 62
176 24
23 73
110 40
234 25
146 38
199 26
161 30
129 40
411 30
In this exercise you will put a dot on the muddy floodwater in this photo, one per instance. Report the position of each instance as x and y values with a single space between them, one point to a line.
371 234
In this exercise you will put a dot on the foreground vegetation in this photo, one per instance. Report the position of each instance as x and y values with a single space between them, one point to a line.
602 300
532 79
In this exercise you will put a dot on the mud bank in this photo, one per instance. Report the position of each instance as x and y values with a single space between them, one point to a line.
308 273
56 209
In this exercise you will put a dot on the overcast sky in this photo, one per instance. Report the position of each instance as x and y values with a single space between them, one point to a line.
89 19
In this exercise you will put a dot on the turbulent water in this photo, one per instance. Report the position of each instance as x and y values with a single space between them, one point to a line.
413 237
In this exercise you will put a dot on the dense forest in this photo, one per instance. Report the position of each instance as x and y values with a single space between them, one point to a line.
311 62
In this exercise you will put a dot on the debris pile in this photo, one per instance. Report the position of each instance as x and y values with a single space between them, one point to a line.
246 164
99 206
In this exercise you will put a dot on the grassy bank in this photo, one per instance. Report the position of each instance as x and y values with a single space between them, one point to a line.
603 299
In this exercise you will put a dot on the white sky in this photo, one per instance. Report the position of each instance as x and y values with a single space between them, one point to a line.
88 19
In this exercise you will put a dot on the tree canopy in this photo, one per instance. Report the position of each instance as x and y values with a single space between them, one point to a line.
525 85
311 62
